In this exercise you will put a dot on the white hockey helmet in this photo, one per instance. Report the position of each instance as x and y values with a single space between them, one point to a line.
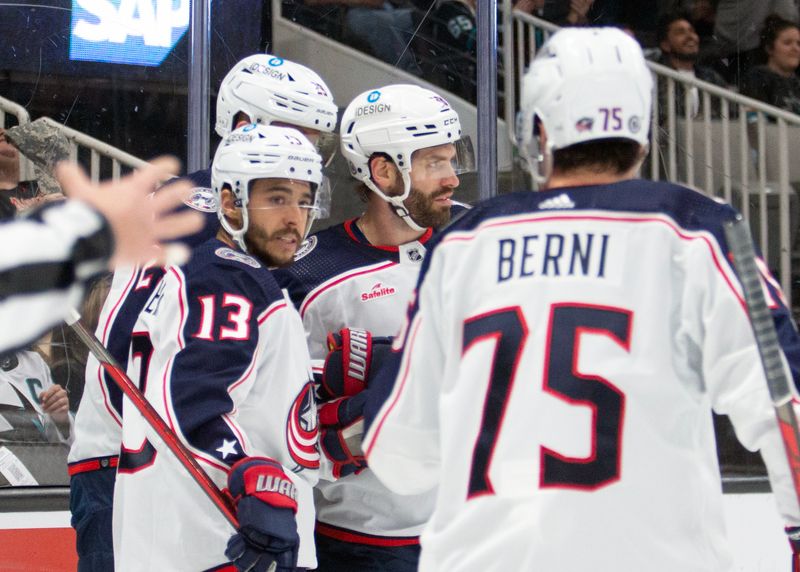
398 120
268 88
265 152
584 84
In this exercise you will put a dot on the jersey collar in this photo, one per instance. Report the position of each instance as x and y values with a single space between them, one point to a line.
352 230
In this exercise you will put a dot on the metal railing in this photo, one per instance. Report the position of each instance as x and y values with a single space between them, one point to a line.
702 135
99 157
97 151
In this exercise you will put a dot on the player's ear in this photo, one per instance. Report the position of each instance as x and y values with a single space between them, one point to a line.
229 208
384 172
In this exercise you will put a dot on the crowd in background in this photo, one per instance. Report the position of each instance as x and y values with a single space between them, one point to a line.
751 46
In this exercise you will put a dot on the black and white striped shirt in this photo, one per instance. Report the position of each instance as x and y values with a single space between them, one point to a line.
46 261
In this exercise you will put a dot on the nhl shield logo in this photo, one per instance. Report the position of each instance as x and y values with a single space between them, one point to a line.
414 255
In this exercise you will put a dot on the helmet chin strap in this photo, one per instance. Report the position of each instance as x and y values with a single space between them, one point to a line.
236 234
396 203
540 164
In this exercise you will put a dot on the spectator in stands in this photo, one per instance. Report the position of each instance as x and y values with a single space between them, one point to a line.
680 47
582 12
533 7
9 163
384 29
446 44
737 27
776 81
32 407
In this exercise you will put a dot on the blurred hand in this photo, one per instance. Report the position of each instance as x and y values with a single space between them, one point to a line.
55 403
141 223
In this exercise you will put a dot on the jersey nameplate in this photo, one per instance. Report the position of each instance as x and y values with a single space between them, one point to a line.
230 254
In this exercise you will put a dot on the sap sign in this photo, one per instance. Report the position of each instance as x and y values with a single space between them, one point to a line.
137 32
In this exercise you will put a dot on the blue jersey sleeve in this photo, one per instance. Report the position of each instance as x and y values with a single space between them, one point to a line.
221 335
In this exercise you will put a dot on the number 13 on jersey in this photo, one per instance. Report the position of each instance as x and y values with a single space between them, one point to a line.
560 378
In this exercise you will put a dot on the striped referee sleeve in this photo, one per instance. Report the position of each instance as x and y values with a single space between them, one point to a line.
47 259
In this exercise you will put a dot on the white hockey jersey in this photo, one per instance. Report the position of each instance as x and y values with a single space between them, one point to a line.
339 280
98 423
556 382
221 355
24 375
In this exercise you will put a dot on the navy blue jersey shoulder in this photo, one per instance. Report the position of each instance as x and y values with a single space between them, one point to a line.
690 209
325 254
201 199
216 265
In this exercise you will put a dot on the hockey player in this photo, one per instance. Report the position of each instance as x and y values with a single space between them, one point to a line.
221 355
256 90
404 144
565 349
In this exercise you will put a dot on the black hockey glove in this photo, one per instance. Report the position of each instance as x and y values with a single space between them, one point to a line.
266 502
341 429
354 355
793 532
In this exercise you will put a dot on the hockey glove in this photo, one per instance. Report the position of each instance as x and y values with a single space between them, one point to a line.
793 532
354 354
341 424
266 502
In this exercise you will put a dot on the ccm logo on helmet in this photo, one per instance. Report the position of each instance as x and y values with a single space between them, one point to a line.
451 121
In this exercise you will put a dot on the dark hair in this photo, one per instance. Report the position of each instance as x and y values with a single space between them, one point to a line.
603 155
772 28
666 21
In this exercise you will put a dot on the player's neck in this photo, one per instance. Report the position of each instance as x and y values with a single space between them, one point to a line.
585 178
223 236
383 227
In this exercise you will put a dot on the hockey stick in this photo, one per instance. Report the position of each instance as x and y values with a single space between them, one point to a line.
737 234
184 457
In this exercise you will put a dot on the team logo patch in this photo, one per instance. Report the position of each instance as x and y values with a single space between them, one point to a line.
202 199
307 246
374 96
302 429
584 124
378 291
230 254
634 124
